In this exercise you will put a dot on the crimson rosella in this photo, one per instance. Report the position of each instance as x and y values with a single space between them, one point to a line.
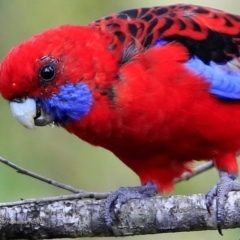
159 87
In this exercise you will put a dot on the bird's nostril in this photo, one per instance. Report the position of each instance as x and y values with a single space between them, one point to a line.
18 100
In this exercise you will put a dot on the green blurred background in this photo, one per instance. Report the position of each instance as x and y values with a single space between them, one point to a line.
54 153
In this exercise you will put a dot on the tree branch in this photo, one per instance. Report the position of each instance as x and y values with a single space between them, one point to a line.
84 194
39 177
196 171
84 218
67 216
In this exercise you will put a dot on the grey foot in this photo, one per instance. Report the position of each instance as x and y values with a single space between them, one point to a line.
220 191
116 199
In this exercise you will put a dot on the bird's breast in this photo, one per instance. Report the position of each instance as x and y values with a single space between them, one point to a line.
159 106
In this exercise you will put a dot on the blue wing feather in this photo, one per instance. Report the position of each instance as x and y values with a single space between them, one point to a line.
224 79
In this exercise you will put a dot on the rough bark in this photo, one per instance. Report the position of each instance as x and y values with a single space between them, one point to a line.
84 218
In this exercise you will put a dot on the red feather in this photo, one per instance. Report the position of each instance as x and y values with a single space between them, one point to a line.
158 126
149 109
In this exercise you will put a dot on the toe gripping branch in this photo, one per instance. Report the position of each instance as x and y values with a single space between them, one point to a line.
220 191
116 199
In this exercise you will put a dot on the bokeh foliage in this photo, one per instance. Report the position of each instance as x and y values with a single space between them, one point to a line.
53 152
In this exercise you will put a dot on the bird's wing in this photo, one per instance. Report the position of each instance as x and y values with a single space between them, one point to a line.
211 37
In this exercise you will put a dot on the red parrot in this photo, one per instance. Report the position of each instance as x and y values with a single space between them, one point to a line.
159 87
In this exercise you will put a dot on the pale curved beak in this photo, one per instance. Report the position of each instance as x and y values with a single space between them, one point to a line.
24 112
29 114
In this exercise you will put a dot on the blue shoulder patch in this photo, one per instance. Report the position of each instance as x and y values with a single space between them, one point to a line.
224 79
70 104
159 42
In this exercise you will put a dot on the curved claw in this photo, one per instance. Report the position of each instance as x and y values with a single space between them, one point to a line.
116 199
220 191
209 198
219 227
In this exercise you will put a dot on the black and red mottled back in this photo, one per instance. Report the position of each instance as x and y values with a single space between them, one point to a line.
158 87
208 33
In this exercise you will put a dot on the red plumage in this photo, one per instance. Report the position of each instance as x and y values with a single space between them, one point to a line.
149 108
157 129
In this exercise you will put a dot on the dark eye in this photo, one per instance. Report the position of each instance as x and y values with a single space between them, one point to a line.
47 72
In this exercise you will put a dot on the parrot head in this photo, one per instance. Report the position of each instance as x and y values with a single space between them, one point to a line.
55 76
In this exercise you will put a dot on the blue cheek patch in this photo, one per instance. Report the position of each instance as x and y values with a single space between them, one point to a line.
225 82
70 104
